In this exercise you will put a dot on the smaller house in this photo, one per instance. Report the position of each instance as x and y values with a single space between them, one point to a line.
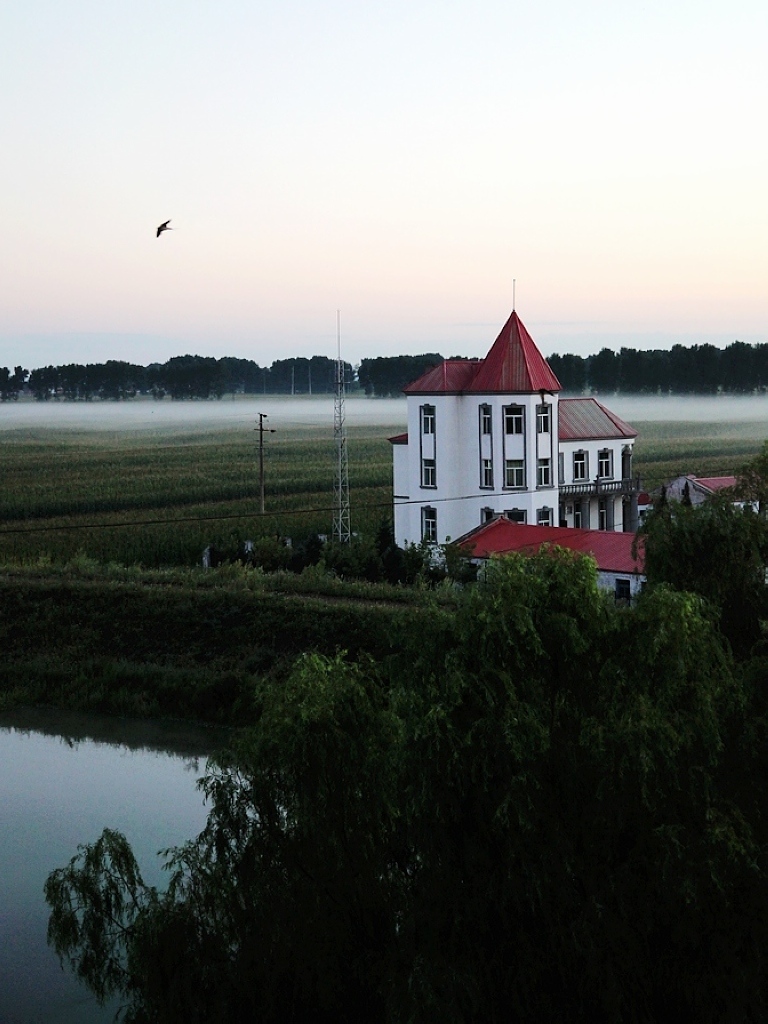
618 569
699 487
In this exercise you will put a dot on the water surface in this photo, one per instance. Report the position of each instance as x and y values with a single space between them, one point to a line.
64 778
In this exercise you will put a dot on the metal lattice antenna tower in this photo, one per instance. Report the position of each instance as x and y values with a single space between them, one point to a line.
342 530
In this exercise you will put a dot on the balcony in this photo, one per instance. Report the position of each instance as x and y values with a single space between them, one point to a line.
597 487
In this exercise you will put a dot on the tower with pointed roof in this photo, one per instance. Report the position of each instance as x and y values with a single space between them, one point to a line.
489 437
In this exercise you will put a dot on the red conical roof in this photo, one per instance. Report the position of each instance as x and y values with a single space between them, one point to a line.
513 366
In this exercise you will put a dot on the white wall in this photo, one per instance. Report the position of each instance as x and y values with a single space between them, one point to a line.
607 581
459 496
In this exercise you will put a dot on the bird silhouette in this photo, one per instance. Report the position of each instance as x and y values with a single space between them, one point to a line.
163 227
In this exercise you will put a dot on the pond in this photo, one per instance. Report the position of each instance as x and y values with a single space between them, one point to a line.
66 777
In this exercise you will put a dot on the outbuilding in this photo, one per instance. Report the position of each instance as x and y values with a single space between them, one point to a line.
619 556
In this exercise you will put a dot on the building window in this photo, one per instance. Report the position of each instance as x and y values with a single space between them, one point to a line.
602 514
544 517
486 473
485 419
513 419
427 419
517 515
605 464
543 419
429 525
428 473
623 592
514 473
544 473
577 516
486 515
580 466
561 468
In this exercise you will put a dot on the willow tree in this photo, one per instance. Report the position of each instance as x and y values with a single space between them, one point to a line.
544 809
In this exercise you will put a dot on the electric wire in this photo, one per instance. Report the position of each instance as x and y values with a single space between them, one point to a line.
63 527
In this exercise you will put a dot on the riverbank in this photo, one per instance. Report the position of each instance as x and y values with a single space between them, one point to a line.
184 644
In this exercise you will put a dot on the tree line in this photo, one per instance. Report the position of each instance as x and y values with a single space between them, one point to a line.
181 377
739 368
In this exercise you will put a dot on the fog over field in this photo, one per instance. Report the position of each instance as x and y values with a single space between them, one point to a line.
287 411
688 408
148 414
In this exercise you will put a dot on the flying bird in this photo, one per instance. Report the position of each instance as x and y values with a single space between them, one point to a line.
164 227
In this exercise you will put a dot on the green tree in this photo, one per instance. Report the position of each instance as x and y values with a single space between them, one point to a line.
540 810
283 909
716 550
752 482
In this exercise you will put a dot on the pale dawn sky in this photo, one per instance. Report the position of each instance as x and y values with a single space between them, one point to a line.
402 162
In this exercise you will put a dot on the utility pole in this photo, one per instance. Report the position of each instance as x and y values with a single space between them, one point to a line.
342 530
262 430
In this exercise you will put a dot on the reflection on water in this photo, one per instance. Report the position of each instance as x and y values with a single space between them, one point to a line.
65 778
73 727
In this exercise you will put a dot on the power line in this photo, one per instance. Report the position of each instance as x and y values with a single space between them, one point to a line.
13 531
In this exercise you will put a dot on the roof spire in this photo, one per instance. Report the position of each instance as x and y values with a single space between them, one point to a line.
513 295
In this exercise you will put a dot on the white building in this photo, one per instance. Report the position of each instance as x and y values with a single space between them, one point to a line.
492 437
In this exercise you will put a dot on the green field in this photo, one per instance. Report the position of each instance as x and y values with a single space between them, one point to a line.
665 450
158 498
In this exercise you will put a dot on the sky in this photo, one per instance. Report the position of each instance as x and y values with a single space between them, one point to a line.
403 163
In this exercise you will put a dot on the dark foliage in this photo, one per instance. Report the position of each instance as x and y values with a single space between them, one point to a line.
388 375
716 550
695 369
543 809
181 377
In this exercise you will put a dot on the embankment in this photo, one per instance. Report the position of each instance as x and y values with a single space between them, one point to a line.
179 645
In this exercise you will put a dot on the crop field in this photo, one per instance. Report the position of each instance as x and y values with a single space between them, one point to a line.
666 449
160 497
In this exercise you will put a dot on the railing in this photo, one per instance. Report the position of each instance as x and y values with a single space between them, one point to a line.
628 485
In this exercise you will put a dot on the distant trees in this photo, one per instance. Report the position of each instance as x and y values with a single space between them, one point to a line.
111 380
181 377
739 369
388 375
12 383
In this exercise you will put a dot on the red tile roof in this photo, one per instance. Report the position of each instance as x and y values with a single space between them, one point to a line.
399 439
611 551
450 377
582 419
715 483
513 366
